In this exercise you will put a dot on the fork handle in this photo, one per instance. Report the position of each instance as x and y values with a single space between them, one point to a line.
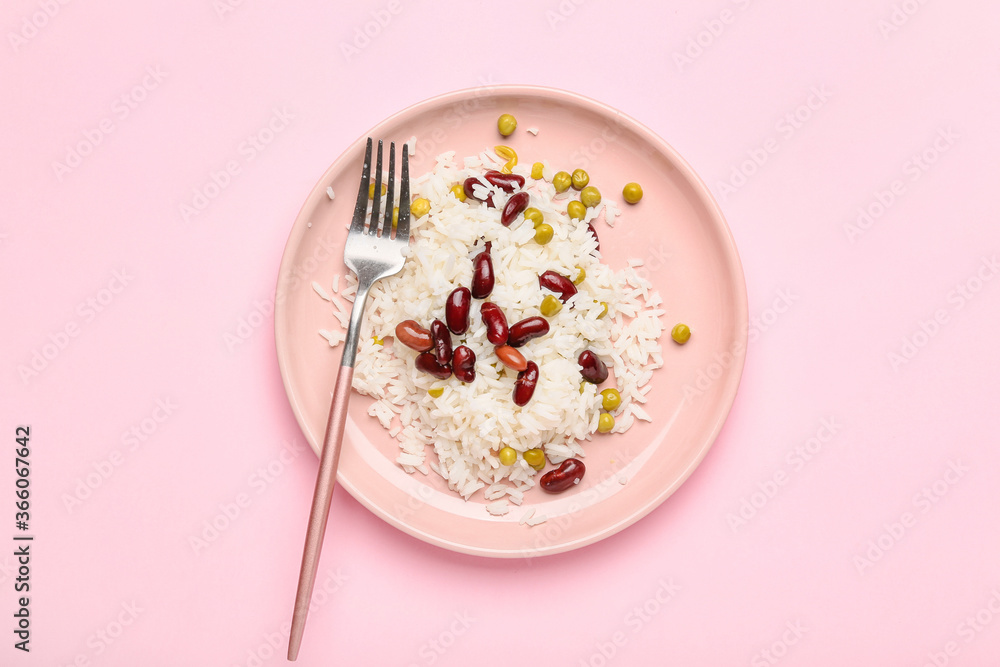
327 475
322 496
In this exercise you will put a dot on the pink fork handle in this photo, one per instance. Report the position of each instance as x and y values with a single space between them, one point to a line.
325 480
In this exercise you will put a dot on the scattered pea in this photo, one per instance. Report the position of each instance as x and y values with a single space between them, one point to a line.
590 196
562 180
507 456
605 423
632 192
458 191
420 207
580 179
583 386
543 233
604 311
533 214
611 398
580 277
536 170
506 124
395 216
550 305
576 210
681 334
435 392
535 458
371 190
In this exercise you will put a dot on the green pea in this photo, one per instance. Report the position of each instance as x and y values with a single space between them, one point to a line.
611 399
580 179
681 334
543 234
605 423
576 210
436 392
533 214
506 124
550 305
420 207
632 192
580 277
590 196
562 180
507 456
535 458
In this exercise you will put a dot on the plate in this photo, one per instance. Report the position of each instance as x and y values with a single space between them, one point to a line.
688 253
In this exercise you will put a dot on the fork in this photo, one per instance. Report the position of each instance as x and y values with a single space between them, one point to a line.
371 255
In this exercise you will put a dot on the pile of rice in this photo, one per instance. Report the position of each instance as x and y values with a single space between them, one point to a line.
469 423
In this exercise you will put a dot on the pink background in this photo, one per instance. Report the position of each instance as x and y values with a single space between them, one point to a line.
875 336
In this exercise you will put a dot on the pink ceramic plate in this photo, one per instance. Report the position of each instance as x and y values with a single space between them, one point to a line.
689 255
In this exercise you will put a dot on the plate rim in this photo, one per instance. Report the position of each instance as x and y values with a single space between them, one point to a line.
732 259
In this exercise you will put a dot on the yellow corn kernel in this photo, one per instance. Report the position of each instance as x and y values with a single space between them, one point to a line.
371 190
536 170
378 341
507 153
458 191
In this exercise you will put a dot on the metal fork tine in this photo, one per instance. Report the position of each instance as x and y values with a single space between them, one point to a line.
387 223
358 222
377 196
403 225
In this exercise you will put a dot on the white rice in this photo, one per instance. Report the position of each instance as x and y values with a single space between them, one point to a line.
468 423
319 290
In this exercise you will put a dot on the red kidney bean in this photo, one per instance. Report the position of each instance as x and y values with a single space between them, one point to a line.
566 476
456 310
414 336
557 283
506 182
463 364
482 273
467 187
514 206
592 368
594 232
524 386
428 363
526 329
495 321
511 358
442 342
